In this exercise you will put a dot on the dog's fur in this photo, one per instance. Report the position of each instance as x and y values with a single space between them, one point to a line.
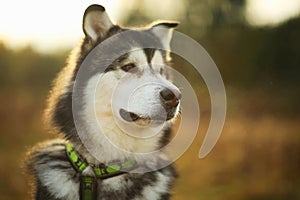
53 174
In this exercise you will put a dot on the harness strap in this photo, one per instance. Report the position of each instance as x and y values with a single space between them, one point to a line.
88 188
77 161
88 184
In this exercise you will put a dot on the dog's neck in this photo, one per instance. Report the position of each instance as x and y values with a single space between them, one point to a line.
102 148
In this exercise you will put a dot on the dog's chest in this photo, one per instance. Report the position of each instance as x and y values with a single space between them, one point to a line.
152 186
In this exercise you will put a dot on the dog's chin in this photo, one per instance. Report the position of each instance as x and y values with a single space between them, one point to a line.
142 119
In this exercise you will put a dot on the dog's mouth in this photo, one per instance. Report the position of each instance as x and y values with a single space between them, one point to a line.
134 117
129 116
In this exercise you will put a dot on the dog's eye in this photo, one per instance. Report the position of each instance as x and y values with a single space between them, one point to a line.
128 67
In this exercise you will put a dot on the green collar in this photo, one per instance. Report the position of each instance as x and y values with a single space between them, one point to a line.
102 171
88 184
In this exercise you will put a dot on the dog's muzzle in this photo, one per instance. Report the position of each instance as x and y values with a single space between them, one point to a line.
169 100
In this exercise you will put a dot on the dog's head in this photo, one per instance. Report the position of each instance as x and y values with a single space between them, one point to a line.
133 92
136 81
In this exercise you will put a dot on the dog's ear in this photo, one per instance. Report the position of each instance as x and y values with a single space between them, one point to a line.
164 31
96 22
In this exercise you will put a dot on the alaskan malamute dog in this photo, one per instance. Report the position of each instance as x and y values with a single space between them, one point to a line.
86 165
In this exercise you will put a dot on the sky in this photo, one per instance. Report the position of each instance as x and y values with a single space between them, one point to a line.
51 25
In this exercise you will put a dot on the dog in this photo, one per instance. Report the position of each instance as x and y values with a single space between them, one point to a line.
66 168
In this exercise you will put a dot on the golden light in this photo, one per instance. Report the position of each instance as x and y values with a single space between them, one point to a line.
51 25
47 25
271 12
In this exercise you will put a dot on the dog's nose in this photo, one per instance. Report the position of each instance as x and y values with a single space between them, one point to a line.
169 97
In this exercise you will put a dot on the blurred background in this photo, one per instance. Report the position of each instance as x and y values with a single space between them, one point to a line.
255 44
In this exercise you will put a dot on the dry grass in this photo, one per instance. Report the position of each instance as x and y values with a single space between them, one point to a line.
254 159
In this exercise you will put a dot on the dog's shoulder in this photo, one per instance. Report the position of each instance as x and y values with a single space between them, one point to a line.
50 154
52 170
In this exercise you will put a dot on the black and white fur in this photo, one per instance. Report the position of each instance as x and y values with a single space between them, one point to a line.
53 175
